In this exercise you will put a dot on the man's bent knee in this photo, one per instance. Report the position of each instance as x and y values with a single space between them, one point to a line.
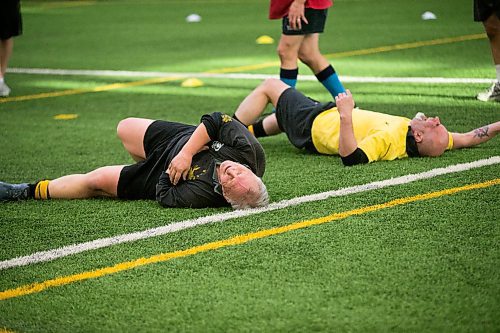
273 83
125 126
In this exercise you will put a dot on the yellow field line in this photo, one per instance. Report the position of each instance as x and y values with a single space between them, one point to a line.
90 90
244 68
406 46
380 49
374 50
64 4
241 239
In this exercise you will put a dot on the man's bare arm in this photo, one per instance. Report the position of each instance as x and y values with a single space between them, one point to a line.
475 137
347 141
179 167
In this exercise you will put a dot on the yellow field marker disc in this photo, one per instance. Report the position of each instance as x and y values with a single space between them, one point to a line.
66 116
265 40
192 83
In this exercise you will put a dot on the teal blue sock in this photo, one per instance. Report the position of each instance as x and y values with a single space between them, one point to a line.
289 76
331 81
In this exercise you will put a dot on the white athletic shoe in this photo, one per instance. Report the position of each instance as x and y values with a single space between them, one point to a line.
4 90
492 94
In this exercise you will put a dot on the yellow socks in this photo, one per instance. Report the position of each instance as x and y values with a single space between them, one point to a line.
42 190
250 129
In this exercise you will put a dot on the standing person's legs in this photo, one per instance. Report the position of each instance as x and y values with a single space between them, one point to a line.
288 50
310 55
488 12
7 45
492 28
10 27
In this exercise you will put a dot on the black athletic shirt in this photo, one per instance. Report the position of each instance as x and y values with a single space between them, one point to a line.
230 141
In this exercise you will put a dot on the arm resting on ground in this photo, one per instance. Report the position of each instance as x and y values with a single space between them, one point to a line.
475 137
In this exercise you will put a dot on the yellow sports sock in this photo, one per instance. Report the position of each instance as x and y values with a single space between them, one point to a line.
250 129
42 190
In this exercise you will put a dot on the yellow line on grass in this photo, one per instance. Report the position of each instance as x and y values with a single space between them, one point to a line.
244 68
65 4
380 49
241 239
374 50
90 90
406 46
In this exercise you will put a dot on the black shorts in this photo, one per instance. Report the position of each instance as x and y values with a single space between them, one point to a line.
316 19
11 23
485 8
138 181
295 114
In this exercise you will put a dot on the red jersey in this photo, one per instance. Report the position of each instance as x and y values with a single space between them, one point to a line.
279 8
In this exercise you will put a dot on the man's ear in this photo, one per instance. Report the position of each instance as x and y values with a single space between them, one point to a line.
418 135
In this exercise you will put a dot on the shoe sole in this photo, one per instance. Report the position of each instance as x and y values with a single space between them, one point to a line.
488 99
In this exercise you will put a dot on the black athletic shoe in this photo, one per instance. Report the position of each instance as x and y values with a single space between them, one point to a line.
11 192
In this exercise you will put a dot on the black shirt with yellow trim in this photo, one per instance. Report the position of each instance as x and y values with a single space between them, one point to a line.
230 140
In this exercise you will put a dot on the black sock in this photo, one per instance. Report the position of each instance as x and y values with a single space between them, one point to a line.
258 129
31 190
289 76
325 73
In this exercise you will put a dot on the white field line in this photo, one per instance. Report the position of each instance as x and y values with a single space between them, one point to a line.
106 242
245 76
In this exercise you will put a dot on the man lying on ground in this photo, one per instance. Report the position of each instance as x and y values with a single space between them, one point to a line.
358 136
218 163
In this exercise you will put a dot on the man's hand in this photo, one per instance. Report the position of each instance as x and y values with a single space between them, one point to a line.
296 14
180 164
179 167
345 103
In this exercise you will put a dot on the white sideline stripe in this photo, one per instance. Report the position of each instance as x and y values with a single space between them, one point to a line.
246 76
105 242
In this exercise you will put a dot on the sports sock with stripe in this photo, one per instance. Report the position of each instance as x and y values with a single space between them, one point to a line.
289 76
40 190
330 81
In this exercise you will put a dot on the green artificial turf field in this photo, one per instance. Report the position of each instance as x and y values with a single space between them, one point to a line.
422 264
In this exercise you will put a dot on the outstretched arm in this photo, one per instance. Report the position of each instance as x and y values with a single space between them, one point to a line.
475 137
180 164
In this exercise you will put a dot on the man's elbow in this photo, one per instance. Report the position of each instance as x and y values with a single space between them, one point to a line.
356 157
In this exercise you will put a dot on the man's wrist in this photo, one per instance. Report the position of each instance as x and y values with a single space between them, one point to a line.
186 151
346 118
